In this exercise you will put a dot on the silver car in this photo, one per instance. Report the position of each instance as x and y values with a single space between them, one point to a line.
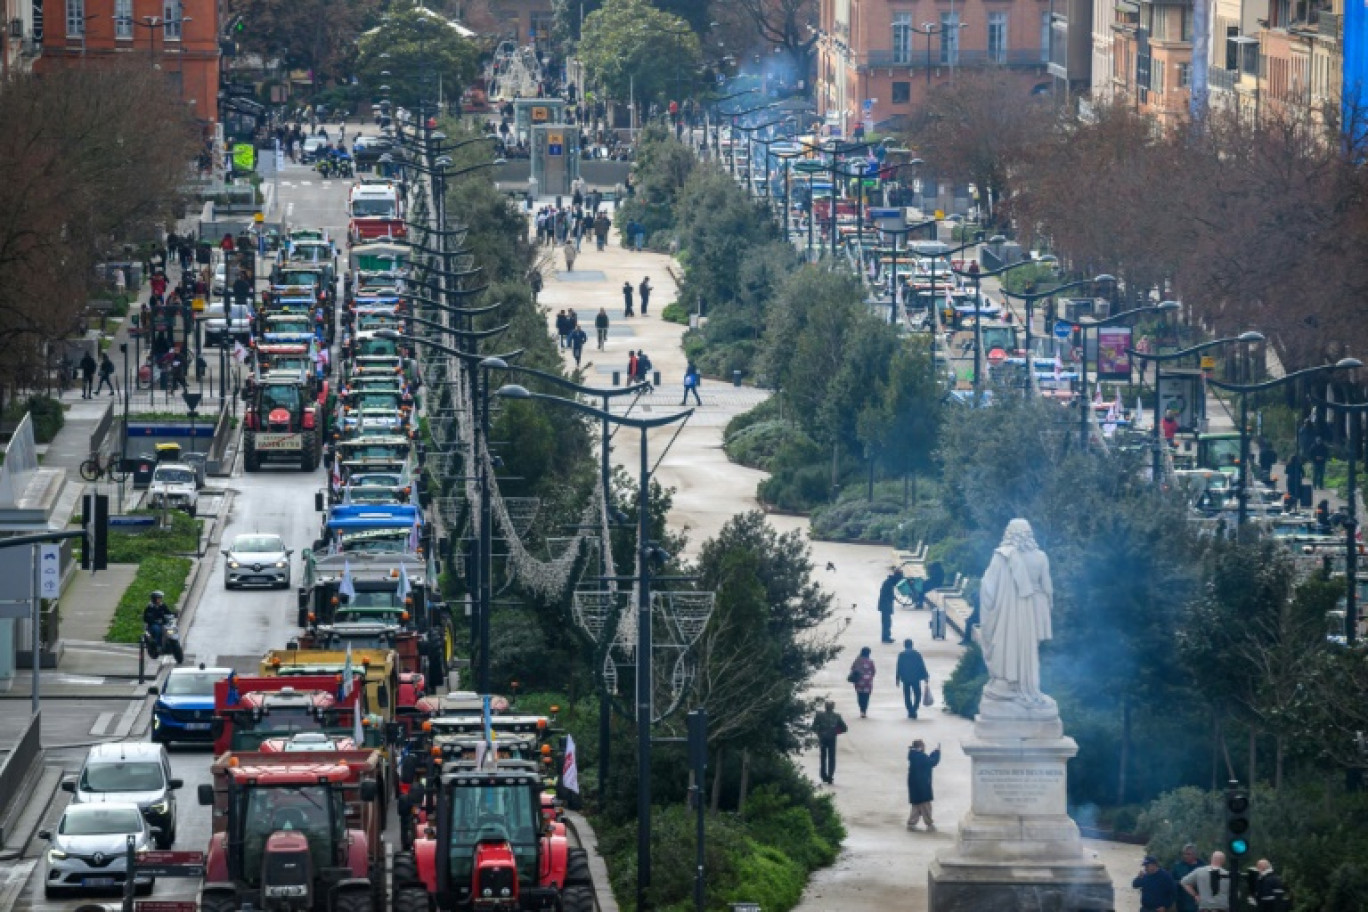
255 559
88 850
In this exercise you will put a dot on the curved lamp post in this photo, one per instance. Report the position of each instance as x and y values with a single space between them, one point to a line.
974 273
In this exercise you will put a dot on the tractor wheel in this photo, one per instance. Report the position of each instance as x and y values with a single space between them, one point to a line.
308 459
577 869
412 899
354 901
218 902
574 899
404 872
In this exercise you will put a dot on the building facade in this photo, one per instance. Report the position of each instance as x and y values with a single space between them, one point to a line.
878 59
177 37
1151 58
23 38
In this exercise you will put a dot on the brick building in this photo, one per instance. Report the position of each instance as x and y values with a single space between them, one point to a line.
177 37
877 59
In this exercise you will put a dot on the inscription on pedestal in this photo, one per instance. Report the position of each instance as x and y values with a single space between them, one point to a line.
1018 788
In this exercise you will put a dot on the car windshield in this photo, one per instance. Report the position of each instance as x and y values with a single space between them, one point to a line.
191 684
93 820
297 279
257 544
123 776
381 207
173 476
370 600
379 401
286 397
391 481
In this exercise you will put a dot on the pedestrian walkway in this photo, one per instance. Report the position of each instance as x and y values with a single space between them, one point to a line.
882 865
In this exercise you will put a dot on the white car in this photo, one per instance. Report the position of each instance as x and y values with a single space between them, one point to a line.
237 327
312 146
87 850
220 283
174 486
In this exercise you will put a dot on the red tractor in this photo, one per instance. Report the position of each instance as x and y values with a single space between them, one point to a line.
282 424
494 851
294 833
249 710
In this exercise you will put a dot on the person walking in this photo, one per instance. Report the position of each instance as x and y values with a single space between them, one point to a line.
919 792
911 674
1188 861
643 370
886 603
601 327
562 329
87 374
570 254
1158 892
1320 454
691 384
601 228
828 725
577 339
1296 474
627 299
862 673
535 280
631 367
644 289
106 374
1209 886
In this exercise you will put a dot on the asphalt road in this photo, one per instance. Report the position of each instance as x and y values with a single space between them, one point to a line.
228 628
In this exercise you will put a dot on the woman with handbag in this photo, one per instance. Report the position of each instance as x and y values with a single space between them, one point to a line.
862 676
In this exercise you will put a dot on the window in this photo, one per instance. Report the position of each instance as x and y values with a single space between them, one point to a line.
171 20
1157 78
949 38
1045 20
123 19
902 92
1185 21
902 38
1184 75
75 12
1232 61
997 37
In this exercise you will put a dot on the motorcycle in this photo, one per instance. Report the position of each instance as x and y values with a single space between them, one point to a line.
164 640
324 168
343 166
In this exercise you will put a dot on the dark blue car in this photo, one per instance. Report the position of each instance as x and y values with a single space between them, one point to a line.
185 705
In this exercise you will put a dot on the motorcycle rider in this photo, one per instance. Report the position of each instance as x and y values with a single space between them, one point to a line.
155 616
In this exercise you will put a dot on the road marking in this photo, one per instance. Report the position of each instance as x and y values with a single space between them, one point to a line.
306 183
102 724
289 210
13 884
126 721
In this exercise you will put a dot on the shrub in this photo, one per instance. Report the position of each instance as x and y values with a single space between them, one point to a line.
676 312
965 685
48 417
796 489
765 411
773 820
181 539
758 444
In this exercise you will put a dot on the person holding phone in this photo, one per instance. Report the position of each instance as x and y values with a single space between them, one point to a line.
919 791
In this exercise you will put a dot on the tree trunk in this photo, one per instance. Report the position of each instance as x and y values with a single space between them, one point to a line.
1253 755
1125 751
745 780
1278 764
1215 750
717 779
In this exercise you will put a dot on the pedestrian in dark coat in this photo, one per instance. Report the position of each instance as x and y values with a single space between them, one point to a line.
577 339
1158 890
627 299
601 327
886 602
919 792
87 375
644 289
1296 473
828 725
911 674
1320 454
862 676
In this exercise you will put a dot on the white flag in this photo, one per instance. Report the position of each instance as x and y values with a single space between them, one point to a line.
1139 418
358 733
347 587
569 769
404 588
347 676
239 353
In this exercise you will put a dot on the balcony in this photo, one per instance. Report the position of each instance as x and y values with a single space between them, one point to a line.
1222 80
1013 57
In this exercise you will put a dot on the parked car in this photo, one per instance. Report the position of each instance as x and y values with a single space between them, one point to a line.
366 150
219 284
256 559
221 330
133 771
313 145
174 486
88 849
184 710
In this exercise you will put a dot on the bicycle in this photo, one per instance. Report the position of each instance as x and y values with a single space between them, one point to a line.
93 469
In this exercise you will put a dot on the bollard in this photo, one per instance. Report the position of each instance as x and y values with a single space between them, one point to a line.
657 378
736 378
617 378
141 656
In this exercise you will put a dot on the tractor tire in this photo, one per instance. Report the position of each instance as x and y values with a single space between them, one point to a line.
308 453
412 899
404 872
577 869
354 901
574 899
218 902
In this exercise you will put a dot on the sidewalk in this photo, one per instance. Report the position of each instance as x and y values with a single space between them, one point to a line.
882 866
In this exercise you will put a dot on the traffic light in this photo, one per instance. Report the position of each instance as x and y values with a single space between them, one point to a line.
1237 822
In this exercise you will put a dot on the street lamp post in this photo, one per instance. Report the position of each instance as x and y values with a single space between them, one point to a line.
978 276
1161 307
1158 359
646 552
930 29
1354 412
1031 297
1242 516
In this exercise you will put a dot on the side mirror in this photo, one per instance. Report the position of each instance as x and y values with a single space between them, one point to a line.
289 552
206 794
368 790
153 691
44 834
69 785
223 551
156 832
174 784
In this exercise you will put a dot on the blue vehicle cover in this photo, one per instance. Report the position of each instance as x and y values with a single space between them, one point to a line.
357 517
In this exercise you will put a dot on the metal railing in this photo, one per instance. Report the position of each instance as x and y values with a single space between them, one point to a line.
1008 57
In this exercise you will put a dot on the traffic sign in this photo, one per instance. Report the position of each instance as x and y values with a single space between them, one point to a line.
49 571
1208 362
1062 329
171 864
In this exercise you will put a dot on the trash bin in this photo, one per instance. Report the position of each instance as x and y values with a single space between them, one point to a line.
1305 496
617 378
657 378
736 378
142 470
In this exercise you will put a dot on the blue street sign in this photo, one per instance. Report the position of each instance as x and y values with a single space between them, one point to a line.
1062 329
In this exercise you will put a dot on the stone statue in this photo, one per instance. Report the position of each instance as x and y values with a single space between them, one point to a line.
1015 599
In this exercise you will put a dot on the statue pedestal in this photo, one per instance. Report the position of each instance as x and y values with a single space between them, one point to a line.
1017 849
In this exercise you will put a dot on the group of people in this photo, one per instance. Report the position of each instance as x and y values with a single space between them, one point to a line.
644 290
1194 885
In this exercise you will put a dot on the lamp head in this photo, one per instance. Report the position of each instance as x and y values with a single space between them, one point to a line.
443 161
1104 278
1251 336
494 364
997 239
438 135
513 391
1167 306
1348 364
390 334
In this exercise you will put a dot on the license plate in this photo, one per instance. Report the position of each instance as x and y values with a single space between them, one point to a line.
197 726
97 882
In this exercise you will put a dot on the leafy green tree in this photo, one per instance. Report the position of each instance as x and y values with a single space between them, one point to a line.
717 228
314 35
423 54
632 49
663 165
